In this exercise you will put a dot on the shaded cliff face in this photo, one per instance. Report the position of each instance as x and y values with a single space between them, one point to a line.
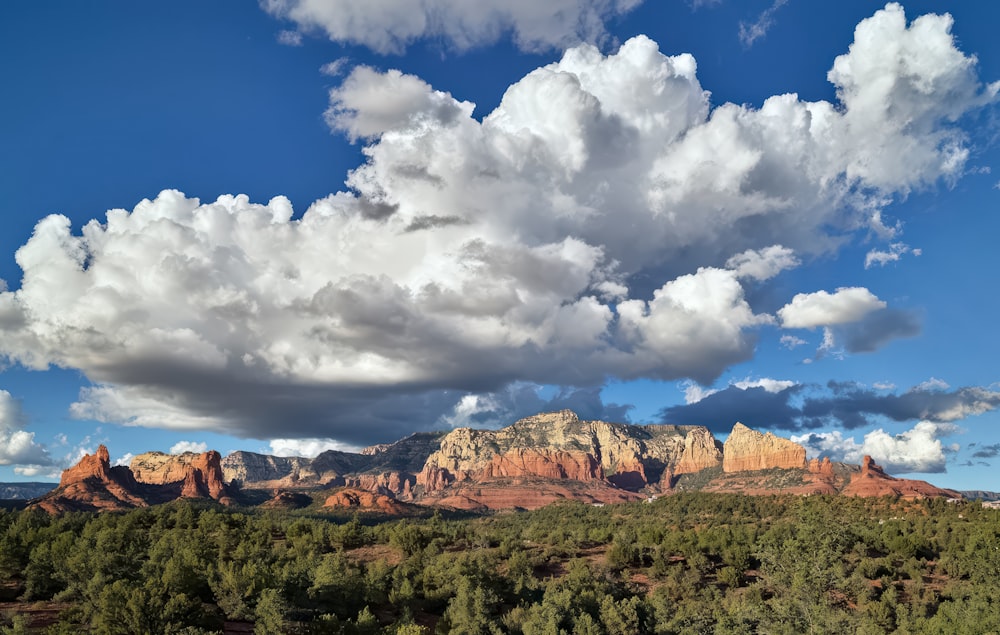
249 468
93 485
873 481
747 450
560 446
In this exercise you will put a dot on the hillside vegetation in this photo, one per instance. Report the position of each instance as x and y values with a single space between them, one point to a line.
686 563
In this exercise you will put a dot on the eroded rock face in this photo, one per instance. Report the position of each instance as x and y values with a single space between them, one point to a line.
392 484
363 500
159 468
701 451
747 450
203 479
250 468
560 446
93 485
873 481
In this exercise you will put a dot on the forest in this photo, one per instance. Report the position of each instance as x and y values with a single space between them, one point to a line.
685 563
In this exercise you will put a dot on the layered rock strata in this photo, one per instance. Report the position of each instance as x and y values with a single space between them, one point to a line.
747 450
560 446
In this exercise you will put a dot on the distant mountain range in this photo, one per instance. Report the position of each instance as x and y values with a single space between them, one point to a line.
529 464
22 491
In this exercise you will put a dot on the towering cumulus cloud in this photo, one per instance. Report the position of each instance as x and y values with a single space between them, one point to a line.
601 222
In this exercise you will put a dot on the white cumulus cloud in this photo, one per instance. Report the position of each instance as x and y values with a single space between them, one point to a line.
916 450
847 304
18 446
600 222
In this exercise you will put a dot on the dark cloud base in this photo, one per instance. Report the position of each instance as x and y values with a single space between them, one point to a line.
846 404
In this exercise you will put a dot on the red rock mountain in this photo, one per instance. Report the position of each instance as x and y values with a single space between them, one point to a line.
532 463
873 481
94 485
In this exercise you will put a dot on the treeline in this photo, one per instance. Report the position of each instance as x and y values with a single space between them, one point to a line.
688 563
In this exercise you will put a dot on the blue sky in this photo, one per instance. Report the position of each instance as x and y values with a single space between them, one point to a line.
696 212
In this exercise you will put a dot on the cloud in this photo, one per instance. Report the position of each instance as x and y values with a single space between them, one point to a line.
895 252
763 264
369 103
847 404
809 310
987 451
17 446
389 26
336 67
309 448
852 315
916 450
188 446
790 341
290 38
753 31
600 223
521 400
878 328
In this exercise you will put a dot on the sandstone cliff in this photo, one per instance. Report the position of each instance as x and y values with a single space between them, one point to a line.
747 450
250 469
362 500
93 485
560 446
873 481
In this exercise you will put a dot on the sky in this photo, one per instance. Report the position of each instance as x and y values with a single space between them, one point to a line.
303 225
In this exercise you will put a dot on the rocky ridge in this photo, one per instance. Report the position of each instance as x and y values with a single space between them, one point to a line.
94 485
534 462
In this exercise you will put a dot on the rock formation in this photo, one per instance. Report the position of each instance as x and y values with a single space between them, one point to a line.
260 470
873 481
203 479
93 485
536 461
747 450
362 500
560 446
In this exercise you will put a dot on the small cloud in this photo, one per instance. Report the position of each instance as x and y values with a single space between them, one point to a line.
845 305
309 448
693 392
44 471
334 68
188 446
790 341
932 385
884 385
988 451
751 32
290 38
896 251
126 459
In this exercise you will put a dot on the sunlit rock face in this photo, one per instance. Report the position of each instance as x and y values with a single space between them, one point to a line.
873 481
747 450
559 446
